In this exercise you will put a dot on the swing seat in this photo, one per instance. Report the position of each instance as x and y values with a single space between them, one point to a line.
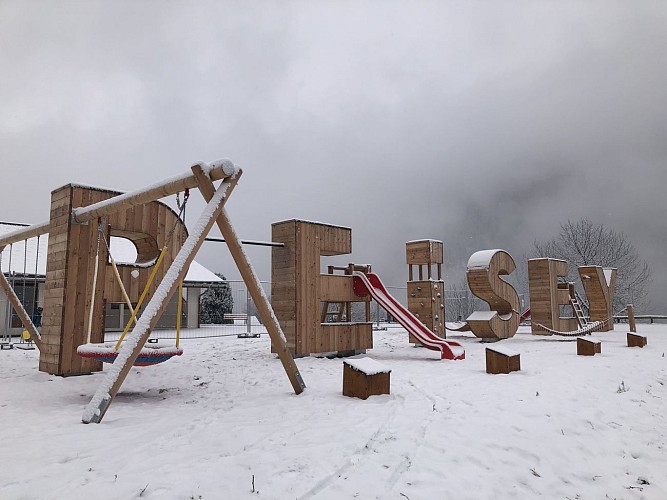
149 355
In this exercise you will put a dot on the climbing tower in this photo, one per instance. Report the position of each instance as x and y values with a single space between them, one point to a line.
426 294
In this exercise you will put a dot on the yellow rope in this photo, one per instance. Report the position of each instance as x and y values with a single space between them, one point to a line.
122 287
143 296
178 313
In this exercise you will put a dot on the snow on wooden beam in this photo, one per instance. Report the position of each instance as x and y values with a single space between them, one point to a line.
24 233
217 170
221 169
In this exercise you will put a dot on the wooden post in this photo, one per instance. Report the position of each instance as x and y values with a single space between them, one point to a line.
252 283
20 310
131 348
631 318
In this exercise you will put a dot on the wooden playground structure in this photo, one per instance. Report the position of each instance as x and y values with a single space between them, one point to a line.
302 296
310 312
426 297
483 274
76 285
550 295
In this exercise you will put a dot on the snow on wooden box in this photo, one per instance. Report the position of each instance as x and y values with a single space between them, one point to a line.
365 377
588 347
635 340
502 360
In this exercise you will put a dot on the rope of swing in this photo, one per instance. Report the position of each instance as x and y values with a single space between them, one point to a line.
151 277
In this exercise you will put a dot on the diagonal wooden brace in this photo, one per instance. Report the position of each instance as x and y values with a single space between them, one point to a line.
135 341
20 310
252 282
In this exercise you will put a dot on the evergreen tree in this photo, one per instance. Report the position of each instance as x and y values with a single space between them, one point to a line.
215 302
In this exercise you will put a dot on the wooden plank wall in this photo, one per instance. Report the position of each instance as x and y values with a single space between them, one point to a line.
148 227
70 262
600 295
283 281
543 290
298 288
426 300
69 279
426 296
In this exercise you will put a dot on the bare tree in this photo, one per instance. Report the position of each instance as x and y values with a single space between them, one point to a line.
460 302
585 243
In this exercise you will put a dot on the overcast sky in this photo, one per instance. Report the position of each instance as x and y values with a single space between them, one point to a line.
482 124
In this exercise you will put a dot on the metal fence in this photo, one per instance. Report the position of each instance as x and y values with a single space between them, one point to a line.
246 321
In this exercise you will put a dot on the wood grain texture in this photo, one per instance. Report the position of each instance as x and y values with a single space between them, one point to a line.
600 295
502 298
543 277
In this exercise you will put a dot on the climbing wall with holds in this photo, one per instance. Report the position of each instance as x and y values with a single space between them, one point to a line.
426 293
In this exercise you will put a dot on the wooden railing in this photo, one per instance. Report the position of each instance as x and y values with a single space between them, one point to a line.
651 317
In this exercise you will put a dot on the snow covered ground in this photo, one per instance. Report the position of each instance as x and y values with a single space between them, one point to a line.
222 421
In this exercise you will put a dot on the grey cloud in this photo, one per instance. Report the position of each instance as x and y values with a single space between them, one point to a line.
482 125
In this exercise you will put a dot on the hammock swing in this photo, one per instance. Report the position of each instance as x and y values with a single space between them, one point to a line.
149 355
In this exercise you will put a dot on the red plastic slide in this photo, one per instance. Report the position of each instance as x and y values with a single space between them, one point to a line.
525 315
370 283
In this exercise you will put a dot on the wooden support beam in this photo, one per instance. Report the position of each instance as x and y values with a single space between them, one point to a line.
254 287
24 233
221 169
631 318
131 348
20 310
217 170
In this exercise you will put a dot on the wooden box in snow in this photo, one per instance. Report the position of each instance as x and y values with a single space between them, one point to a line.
364 377
502 360
635 340
588 347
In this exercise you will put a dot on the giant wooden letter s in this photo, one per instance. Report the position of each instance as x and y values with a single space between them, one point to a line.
484 271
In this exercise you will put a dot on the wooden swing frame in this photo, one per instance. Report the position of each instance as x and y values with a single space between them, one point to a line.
202 177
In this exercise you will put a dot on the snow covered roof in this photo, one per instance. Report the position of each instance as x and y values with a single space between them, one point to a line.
24 256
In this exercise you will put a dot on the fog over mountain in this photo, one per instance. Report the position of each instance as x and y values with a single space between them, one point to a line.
484 125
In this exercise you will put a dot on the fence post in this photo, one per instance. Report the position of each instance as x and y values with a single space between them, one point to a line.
247 310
